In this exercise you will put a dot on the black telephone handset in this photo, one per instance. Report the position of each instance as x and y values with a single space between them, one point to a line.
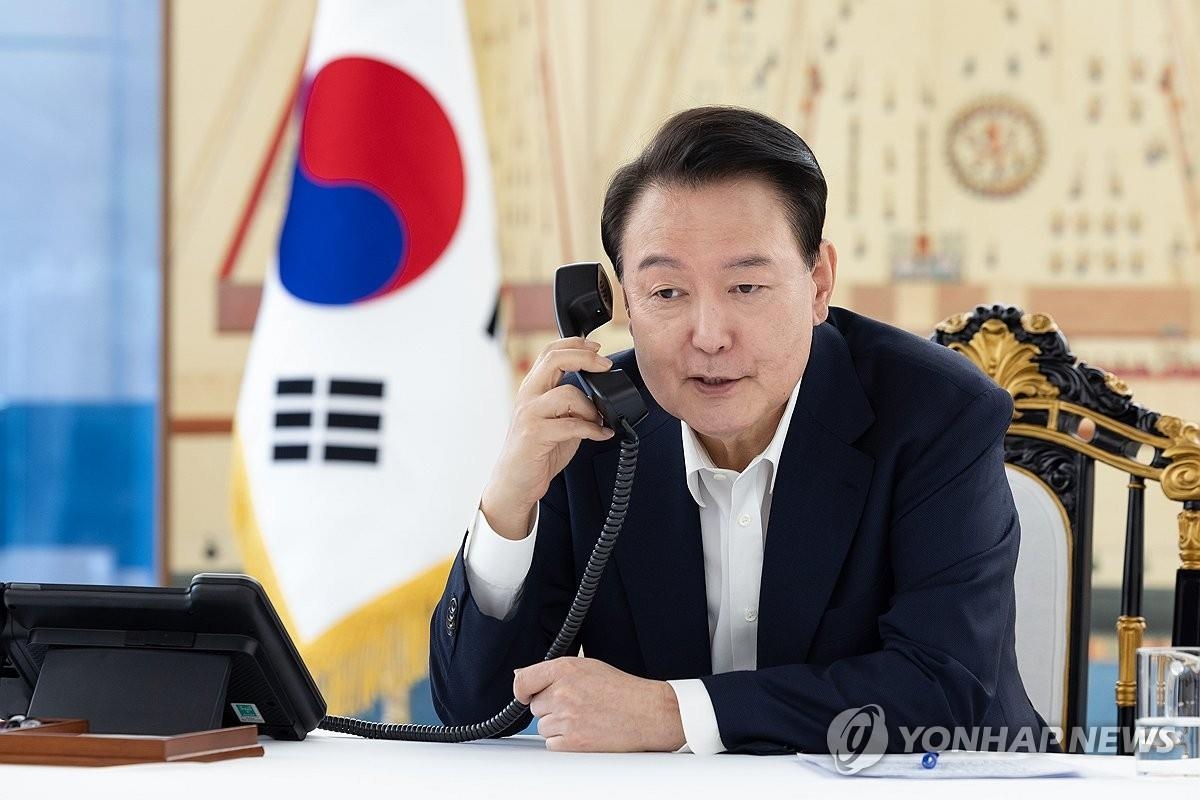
583 301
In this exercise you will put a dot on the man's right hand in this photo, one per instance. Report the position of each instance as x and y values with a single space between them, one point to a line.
548 423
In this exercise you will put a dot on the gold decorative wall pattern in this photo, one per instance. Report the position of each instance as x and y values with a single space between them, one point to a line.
1104 235
995 146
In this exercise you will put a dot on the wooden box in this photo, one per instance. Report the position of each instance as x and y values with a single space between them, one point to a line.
67 743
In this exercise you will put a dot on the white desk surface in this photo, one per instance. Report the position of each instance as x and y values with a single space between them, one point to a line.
343 768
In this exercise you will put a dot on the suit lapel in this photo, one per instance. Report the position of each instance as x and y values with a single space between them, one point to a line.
659 555
817 501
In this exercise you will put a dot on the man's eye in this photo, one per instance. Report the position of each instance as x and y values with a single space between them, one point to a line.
747 288
666 294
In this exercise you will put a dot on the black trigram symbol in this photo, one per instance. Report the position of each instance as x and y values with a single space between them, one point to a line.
343 424
292 425
353 420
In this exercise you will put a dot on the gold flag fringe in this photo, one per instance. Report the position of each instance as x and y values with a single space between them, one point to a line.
246 535
376 652
380 649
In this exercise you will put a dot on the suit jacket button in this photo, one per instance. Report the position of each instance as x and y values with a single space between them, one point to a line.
451 616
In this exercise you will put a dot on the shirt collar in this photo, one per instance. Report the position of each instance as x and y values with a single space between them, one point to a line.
696 458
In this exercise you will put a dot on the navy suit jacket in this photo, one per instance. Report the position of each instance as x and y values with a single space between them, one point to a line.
887 571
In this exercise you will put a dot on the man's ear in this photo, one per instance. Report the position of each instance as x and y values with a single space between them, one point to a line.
824 275
628 315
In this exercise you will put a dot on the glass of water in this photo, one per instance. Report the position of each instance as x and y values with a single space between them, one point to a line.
1167 734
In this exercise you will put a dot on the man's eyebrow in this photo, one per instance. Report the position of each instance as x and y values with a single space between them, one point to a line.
751 261
658 260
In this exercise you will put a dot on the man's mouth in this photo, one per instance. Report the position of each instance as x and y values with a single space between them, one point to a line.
714 382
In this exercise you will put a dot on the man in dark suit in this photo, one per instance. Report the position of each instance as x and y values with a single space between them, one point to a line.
820 518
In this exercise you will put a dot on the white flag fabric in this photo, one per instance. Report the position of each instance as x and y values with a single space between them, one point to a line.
374 397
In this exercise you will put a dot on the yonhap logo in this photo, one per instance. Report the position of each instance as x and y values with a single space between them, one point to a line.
857 738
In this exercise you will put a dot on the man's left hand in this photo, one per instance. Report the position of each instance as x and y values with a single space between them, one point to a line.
585 705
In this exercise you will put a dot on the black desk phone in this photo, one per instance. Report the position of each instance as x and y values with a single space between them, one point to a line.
582 302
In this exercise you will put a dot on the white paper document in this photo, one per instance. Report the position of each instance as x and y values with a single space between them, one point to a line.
954 764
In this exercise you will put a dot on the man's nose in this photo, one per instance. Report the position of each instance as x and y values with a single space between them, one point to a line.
711 330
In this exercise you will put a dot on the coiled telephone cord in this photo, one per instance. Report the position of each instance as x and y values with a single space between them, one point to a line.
562 643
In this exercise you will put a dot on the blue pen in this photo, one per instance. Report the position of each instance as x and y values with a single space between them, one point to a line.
929 760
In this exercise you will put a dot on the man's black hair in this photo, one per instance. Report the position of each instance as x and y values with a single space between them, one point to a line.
716 143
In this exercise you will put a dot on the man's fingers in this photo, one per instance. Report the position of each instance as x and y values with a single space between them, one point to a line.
542 704
530 680
570 429
565 401
545 374
563 415
568 343
550 726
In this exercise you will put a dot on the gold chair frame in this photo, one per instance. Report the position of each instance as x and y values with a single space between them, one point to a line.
1060 400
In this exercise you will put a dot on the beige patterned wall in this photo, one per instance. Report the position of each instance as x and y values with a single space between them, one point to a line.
1039 153
233 67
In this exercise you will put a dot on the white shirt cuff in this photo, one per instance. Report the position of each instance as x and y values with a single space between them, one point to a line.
698 718
497 567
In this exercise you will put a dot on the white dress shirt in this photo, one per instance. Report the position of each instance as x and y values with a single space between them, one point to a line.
734 510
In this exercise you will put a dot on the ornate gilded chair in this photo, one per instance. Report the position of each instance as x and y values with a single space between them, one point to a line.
1067 416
